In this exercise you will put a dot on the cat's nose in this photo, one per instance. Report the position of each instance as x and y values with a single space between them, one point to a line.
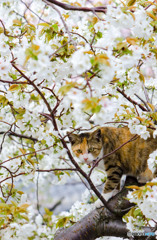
85 158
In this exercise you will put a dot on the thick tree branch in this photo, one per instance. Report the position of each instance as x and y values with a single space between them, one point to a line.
101 222
75 8
96 224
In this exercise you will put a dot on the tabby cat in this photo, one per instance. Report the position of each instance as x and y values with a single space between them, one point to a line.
131 159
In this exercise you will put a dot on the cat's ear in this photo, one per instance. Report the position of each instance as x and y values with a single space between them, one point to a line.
97 135
72 138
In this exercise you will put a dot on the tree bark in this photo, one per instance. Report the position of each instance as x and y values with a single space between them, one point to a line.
101 222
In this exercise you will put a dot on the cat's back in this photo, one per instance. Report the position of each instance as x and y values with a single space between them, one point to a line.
133 151
116 135
123 135
132 146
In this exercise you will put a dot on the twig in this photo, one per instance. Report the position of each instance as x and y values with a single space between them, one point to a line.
20 135
4 138
17 175
117 122
146 93
9 221
37 189
149 5
56 169
12 180
146 105
53 54
13 82
80 36
64 24
8 35
131 100
56 205
28 8
22 155
108 154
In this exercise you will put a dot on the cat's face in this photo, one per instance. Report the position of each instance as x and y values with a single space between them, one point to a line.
86 146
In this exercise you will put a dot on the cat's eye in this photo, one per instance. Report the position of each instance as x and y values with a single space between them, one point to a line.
91 149
79 151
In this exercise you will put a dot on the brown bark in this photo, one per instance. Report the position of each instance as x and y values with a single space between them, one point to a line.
75 8
101 222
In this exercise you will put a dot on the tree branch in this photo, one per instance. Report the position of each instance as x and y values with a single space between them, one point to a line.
8 35
20 135
110 153
13 82
101 222
56 169
75 8
131 100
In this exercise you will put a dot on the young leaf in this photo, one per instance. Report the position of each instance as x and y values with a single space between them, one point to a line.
131 3
66 88
14 87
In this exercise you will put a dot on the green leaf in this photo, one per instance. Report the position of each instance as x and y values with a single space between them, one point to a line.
14 87
141 77
62 222
14 203
30 54
66 88
2 200
121 45
25 217
31 161
35 98
48 212
137 212
100 59
97 109
20 192
131 3
55 27
92 105
50 31
44 24
13 76
4 205
19 112
17 22
1 222
3 100
99 34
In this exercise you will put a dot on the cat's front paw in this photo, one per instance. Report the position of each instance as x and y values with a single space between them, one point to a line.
106 196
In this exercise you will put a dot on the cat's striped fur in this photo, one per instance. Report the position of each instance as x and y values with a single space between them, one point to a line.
131 159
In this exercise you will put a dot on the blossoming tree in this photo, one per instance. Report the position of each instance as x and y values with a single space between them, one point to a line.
71 66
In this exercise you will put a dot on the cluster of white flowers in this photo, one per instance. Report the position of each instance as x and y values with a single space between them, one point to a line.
152 161
146 200
140 130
